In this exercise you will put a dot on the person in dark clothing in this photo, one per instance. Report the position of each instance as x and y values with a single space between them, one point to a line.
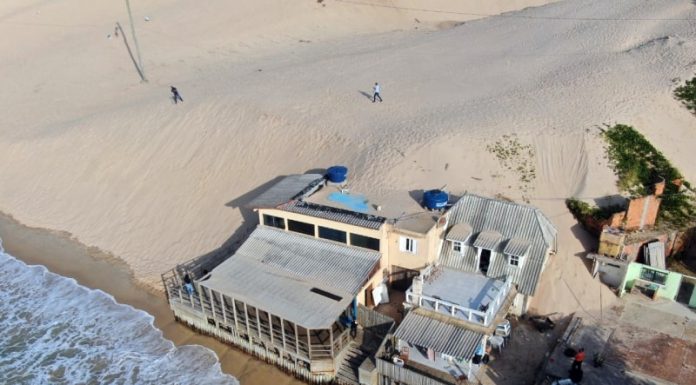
175 95
354 329
576 375
188 284
376 89
577 361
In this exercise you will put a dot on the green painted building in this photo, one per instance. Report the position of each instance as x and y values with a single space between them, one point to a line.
653 281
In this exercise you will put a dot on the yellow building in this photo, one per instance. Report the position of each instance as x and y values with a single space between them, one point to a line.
407 236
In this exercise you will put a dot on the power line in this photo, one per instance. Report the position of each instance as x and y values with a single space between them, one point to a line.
510 16
30 24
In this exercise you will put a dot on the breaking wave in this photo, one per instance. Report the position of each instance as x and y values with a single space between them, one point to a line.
55 331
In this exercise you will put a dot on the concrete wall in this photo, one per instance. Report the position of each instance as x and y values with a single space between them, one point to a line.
611 243
520 304
610 271
427 250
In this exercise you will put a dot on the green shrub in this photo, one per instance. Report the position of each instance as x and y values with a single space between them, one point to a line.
582 210
639 165
687 94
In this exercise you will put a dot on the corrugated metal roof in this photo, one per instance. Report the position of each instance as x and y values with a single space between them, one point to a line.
335 214
656 255
488 239
285 190
448 338
513 221
517 247
459 232
275 270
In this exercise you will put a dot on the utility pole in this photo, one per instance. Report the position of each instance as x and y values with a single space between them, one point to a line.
130 53
135 41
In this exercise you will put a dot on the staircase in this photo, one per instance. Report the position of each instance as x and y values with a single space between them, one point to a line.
353 356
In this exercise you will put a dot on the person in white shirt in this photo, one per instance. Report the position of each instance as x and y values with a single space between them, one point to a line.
376 90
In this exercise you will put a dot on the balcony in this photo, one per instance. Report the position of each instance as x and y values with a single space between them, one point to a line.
467 296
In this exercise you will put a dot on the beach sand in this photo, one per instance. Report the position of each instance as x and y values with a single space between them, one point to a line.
272 88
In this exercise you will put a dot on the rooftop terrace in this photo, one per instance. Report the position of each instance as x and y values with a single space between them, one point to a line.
399 207
468 296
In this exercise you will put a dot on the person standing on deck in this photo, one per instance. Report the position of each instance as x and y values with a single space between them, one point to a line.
188 284
577 361
376 90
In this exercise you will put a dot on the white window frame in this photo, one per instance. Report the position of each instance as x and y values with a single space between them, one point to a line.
455 244
512 258
408 245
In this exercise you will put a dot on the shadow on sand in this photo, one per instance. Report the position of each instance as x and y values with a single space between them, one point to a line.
366 94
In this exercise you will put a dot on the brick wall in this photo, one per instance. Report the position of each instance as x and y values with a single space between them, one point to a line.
650 204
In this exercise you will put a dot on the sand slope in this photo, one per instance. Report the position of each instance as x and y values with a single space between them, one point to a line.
86 148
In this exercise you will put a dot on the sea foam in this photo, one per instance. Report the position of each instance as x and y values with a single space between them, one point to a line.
55 331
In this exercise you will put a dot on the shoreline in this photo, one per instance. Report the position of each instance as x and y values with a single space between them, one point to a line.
92 268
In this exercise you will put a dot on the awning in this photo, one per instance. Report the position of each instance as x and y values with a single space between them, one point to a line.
516 247
459 232
488 240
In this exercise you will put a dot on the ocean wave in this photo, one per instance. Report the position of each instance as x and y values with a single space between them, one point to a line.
58 332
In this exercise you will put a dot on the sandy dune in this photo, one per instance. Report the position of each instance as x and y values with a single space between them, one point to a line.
273 87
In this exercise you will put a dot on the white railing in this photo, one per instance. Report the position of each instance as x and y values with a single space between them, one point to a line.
463 312
497 302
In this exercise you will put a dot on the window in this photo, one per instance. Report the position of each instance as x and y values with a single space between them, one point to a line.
332 234
408 245
301 227
457 246
653 276
363 241
514 260
270 220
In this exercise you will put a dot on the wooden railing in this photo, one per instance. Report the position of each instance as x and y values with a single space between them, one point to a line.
341 341
202 305
369 318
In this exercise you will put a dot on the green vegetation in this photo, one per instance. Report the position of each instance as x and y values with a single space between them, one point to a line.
639 166
687 94
582 210
516 157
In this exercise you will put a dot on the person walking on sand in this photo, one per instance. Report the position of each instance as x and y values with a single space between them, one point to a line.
175 95
376 89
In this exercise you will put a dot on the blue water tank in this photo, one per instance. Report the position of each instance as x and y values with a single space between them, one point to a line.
337 174
435 199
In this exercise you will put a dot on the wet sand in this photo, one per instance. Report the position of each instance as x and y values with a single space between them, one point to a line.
97 270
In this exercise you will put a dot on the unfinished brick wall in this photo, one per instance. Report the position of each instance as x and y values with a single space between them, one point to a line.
634 215
674 241
617 220
633 249
644 209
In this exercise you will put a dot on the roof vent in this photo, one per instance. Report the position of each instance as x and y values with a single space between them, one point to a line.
326 294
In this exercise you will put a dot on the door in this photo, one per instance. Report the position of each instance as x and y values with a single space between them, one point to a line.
402 278
485 260
368 297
